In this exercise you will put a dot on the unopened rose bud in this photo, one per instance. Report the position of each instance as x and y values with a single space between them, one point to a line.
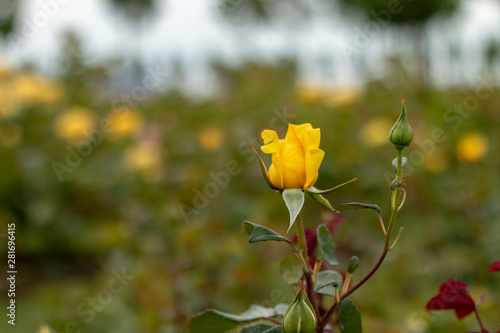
353 264
401 133
300 316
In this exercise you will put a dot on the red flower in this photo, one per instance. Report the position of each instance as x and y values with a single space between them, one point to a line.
453 295
495 267
332 223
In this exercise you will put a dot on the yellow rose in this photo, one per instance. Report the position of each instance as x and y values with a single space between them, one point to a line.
75 123
211 138
472 147
125 121
296 159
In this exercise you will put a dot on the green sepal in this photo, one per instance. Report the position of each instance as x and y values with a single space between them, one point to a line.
349 317
358 205
326 246
264 170
320 199
294 200
260 233
313 189
300 316
326 281
215 321
353 264
291 269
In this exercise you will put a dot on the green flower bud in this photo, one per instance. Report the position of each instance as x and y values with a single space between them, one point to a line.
353 264
300 316
401 133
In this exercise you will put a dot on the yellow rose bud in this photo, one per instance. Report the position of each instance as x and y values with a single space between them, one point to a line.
296 159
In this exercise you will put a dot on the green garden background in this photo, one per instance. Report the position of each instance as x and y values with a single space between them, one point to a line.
155 191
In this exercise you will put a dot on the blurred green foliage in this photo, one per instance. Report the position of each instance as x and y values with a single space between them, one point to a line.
122 206
11 20
404 12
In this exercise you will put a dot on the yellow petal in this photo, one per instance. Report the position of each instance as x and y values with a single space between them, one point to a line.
271 141
314 157
275 173
313 138
273 146
301 131
293 160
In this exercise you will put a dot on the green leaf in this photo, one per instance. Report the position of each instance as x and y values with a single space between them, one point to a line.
319 199
260 233
264 170
257 328
214 321
358 205
317 191
326 246
275 329
291 269
325 282
294 199
349 317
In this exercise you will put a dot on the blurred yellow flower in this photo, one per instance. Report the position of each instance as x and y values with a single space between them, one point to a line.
4 69
296 159
211 138
125 121
375 132
146 159
342 96
44 329
332 97
437 161
32 89
11 103
74 123
10 134
472 147
309 93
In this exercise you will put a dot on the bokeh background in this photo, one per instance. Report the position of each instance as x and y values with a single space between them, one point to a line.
124 135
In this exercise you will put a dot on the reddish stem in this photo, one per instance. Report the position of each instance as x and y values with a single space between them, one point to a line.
483 330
